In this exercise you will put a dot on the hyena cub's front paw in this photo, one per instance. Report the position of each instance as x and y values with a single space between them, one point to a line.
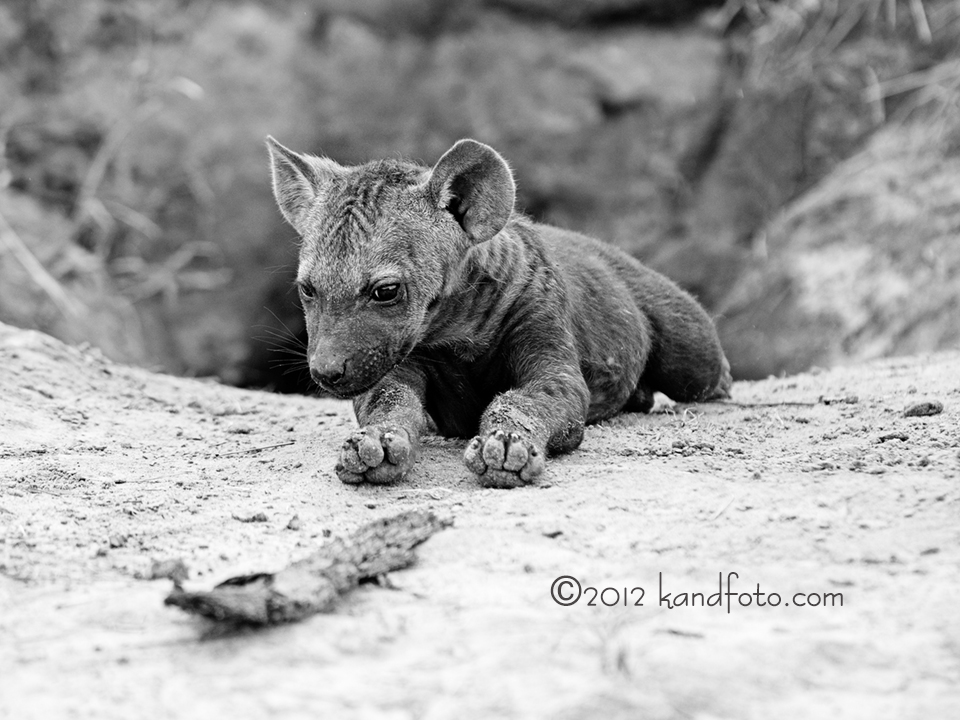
504 460
375 454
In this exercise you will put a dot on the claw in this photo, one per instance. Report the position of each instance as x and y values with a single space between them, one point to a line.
503 460
397 448
472 458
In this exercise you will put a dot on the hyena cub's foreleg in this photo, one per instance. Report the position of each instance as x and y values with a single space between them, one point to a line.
544 412
392 419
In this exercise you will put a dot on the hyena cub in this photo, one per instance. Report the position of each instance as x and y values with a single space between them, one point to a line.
433 304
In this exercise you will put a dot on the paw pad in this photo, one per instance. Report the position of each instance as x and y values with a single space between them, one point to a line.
375 454
504 459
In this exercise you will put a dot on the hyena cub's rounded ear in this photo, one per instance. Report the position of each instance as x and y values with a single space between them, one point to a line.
298 180
474 183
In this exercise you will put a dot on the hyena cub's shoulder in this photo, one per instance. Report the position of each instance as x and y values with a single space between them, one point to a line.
552 329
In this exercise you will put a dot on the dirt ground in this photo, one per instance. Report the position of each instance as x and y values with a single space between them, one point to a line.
813 484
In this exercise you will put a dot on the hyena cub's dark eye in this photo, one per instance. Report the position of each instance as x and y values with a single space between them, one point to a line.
386 293
307 291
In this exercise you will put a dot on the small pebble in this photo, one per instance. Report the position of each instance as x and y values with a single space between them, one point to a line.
257 517
294 523
840 400
893 436
924 409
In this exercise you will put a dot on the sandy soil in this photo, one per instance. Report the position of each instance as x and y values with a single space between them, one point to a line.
812 484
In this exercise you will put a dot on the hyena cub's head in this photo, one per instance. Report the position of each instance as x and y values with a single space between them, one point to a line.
379 243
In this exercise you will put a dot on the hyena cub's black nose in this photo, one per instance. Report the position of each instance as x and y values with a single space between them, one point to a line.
328 373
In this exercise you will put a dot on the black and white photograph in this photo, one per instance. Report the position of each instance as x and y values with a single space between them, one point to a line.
480 359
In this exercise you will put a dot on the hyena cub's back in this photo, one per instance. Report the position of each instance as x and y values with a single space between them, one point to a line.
429 301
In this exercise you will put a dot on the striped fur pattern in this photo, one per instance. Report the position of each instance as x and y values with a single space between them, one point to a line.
435 306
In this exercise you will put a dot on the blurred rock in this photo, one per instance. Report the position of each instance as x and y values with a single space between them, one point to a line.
793 120
865 265
595 126
809 93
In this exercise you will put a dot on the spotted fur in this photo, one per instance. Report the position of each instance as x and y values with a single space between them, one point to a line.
494 327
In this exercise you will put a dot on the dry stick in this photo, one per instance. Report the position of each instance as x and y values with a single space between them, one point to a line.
873 95
256 449
133 218
105 154
813 39
943 72
920 22
779 403
314 584
38 273
842 29
722 509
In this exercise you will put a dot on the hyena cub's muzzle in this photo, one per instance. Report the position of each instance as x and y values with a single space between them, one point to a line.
346 375
328 373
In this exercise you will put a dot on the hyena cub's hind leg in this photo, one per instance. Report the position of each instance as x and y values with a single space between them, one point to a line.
687 364
682 389
700 377
721 391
